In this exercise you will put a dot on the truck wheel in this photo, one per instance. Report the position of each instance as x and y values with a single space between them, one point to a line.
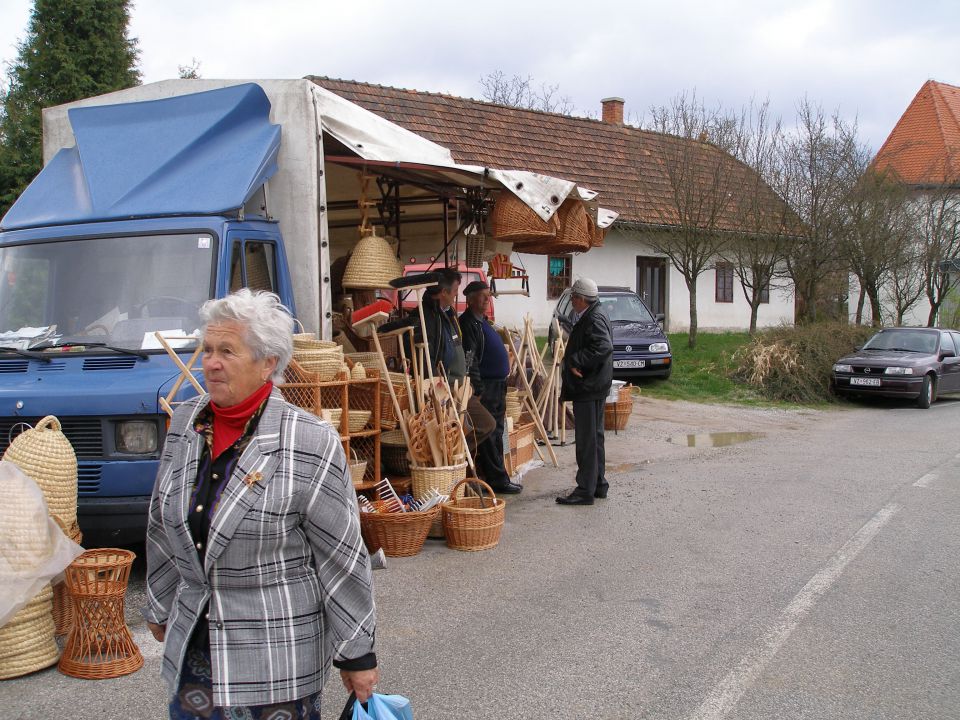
927 392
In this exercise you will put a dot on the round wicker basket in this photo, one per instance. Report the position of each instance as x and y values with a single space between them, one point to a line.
46 457
324 364
473 523
514 221
27 641
575 234
372 265
399 534
442 479
309 341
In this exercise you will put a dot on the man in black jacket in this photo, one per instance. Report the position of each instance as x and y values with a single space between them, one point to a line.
488 366
587 377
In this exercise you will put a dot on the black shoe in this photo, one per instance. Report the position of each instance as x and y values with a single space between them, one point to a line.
575 498
601 493
507 489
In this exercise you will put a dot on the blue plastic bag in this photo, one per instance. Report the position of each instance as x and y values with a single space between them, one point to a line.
384 707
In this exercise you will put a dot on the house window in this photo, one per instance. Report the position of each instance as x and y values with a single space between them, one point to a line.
559 270
765 293
724 282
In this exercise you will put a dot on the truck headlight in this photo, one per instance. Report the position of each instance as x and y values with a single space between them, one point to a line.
898 371
659 347
138 437
843 368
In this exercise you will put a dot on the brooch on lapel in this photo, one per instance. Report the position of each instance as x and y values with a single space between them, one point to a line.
253 478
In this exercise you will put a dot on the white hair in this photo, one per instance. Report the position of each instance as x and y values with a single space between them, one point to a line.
267 321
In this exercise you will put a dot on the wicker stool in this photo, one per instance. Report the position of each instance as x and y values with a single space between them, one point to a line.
99 645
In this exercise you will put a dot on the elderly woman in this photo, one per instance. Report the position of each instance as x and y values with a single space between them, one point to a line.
257 578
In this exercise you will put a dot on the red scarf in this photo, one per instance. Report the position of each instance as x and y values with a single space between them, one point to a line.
229 422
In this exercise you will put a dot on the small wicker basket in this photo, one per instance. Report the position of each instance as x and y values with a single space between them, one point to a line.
358 468
399 534
473 523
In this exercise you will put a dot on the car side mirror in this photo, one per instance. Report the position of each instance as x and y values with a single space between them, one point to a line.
856 348
660 317
946 354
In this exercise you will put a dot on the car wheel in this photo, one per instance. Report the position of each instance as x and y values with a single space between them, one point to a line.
927 393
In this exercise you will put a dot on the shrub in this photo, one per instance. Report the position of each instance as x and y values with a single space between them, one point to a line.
794 364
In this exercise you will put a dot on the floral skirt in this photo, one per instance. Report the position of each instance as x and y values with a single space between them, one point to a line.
194 697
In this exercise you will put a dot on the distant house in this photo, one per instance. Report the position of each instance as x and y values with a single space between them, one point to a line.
923 152
626 165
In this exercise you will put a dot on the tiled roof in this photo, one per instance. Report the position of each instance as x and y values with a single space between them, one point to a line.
924 146
624 164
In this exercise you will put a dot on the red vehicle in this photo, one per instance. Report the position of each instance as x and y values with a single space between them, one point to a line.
469 275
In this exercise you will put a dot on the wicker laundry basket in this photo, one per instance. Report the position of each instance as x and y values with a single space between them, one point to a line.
473 522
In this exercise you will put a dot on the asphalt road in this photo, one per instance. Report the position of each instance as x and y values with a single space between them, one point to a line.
810 572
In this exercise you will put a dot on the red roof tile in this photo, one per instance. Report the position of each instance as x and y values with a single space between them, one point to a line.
924 146
626 165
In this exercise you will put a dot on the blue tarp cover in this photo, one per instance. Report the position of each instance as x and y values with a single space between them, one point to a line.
200 154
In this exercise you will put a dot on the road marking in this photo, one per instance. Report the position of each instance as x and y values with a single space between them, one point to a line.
925 480
727 693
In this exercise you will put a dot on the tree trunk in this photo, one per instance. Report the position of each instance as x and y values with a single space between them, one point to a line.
860 301
692 337
874 295
754 307
932 317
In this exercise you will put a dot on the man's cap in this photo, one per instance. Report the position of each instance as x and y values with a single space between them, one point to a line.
475 286
585 287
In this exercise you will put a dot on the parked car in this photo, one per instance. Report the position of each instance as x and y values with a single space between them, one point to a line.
640 347
469 274
915 363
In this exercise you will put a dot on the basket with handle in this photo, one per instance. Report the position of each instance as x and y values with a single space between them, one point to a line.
473 523
399 534
358 468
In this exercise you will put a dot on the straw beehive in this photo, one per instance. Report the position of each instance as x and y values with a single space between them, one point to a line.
47 457
372 265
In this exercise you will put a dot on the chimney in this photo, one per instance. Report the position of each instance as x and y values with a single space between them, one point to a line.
612 110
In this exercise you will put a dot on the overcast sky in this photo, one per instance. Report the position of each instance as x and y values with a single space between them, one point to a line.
866 58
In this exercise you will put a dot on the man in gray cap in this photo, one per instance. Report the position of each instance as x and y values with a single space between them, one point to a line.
587 376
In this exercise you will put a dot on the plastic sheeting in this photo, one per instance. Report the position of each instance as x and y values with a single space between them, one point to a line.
33 548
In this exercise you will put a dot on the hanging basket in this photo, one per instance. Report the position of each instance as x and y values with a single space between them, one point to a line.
476 246
47 457
514 221
473 523
372 265
574 234
597 233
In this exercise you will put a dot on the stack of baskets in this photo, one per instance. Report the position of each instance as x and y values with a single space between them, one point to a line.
46 456
514 221
617 414
473 522
514 405
321 359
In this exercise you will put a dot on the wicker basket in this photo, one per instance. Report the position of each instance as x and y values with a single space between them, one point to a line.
367 359
596 233
358 420
372 265
323 365
473 523
393 453
46 457
358 468
309 341
27 641
442 479
62 603
575 234
399 534
475 249
514 221
616 415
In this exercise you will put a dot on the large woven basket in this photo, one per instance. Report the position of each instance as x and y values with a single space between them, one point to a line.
372 265
575 234
62 604
473 523
442 479
323 364
514 221
46 457
399 534
27 641
309 341
597 233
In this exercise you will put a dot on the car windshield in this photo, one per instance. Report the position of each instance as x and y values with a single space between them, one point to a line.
905 340
115 290
625 308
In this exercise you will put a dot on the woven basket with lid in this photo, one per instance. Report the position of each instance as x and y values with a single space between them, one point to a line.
47 457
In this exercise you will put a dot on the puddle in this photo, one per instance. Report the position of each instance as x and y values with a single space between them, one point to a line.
717 439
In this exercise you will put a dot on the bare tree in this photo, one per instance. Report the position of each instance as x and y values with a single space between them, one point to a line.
937 225
189 72
876 235
521 92
819 168
907 282
703 179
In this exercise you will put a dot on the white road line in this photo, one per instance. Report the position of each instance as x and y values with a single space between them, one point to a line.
925 480
727 693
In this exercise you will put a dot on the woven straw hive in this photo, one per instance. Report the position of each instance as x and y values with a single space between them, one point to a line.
372 265
46 457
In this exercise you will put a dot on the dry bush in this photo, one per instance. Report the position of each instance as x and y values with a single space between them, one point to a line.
793 364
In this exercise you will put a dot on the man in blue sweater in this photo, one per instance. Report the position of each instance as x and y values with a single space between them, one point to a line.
488 366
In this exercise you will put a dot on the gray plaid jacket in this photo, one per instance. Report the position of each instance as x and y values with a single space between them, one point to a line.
286 574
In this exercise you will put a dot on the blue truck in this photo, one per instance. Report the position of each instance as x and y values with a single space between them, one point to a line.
157 198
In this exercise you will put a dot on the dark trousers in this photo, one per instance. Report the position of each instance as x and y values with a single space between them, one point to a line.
489 457
591 458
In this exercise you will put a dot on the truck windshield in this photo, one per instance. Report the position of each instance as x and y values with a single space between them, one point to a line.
113 290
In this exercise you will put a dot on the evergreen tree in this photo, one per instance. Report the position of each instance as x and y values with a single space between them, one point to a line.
73 49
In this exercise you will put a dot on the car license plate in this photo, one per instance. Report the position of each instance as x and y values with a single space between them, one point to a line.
871 382
629 363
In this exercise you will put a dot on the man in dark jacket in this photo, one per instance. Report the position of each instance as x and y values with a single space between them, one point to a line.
488 366
587 377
